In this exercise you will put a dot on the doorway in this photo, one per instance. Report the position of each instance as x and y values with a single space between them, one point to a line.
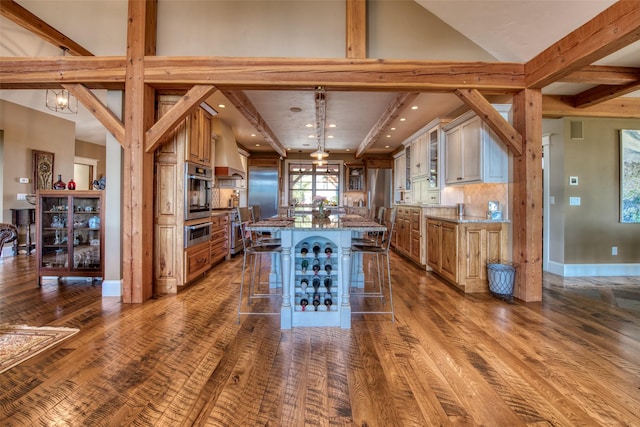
84 172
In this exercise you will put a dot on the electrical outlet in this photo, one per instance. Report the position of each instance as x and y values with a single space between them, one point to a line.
614 250
22 196
24 180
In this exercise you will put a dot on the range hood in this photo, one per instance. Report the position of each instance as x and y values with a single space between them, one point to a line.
227 162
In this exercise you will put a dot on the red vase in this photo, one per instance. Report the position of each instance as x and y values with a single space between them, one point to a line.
71 185
59 184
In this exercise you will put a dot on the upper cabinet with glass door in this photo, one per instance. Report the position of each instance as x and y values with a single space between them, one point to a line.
355 178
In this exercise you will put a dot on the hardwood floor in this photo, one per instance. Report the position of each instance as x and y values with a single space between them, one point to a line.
449 358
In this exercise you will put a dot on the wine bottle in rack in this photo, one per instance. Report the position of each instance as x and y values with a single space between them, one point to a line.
316 249
305 249
327 284
316 301
328 268
328 302
327 250
316 261
304 266
304 303
316 269
303 284
316 284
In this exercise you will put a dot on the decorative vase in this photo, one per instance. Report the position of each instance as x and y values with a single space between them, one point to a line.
59 184
321 210
71 185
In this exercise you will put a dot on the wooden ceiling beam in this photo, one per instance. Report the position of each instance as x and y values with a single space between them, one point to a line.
390 114
611 30
100 111
603 75
603 93
244 105
269 73
181 109
356 28
562 106
14 12
483 108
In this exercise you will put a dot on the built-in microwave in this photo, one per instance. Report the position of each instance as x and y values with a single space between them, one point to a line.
197 194
197 233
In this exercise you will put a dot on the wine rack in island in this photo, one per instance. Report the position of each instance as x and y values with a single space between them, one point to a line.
316 276
69 233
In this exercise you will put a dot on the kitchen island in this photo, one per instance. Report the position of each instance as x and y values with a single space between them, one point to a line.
317 296
458 248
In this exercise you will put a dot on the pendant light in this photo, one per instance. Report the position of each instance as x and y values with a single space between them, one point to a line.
61 101
321 117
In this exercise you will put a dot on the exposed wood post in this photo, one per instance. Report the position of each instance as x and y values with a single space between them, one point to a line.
356 29
527 196
137 224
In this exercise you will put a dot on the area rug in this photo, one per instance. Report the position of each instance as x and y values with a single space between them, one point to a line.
19 343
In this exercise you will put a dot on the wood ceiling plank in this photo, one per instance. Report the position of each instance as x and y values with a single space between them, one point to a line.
390 114
156 134
554 106
21 16
483 108
100 111
611 30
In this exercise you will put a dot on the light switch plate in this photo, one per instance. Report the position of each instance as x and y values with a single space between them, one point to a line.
24 180
574 201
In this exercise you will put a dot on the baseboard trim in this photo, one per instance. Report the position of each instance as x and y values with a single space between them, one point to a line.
593 270
112 288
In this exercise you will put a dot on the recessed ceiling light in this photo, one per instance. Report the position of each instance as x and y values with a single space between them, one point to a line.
312 136
393 128
253 134
330 136
348 149
295 109
222 106
386 146
309 125
402 119
332 125
257 145
414 107
388 136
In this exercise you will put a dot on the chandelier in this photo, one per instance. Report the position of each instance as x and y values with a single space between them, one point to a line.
321 118
61 101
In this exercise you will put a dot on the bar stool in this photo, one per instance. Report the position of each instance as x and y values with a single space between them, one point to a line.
255 251
381 250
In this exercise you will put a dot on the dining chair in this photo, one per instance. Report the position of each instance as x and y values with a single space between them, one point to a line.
377 252
8 233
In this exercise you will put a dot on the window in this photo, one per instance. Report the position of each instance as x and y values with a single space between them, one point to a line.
307 180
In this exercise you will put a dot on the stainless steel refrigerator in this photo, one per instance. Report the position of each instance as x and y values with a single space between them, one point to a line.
263 189
379 188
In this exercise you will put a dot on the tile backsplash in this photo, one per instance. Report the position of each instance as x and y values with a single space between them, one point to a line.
476 197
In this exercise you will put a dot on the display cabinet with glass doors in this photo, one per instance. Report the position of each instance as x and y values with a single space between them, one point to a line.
70 234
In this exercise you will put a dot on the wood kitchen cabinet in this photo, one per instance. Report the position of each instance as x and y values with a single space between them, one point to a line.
198 144
458 251
408 241
219 246
197 260
355 178
69 235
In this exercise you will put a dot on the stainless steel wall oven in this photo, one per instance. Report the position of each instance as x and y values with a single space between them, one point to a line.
197 233
197 194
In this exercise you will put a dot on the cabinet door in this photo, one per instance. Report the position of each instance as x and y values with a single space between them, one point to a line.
433 244
193 149
434 154
471 147
416 246
449 246
204 136
453 148
399 172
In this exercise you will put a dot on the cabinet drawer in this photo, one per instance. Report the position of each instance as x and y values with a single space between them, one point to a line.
197 260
